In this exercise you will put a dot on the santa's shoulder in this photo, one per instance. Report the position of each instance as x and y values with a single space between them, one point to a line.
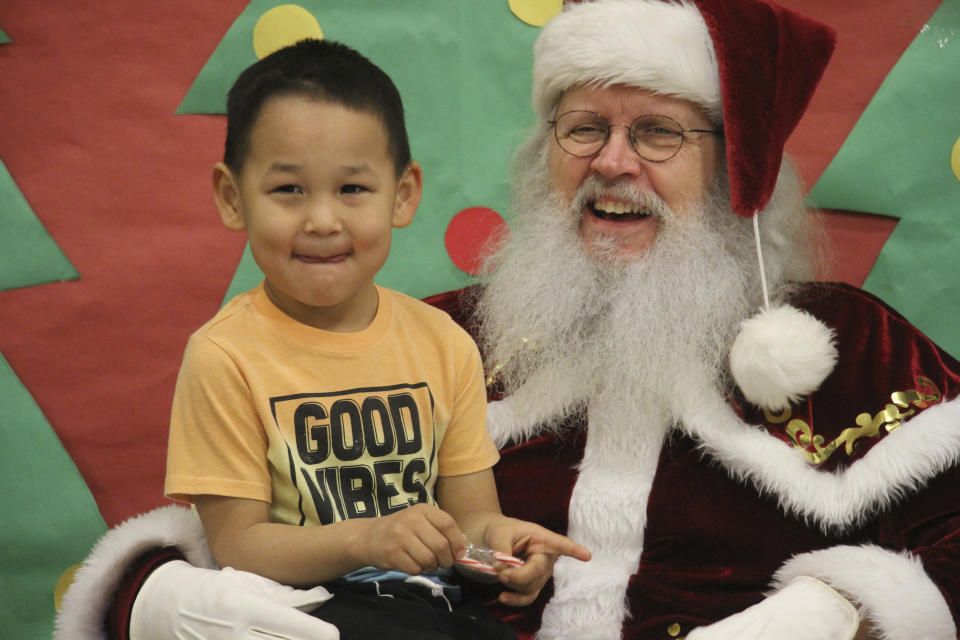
884 422
887 373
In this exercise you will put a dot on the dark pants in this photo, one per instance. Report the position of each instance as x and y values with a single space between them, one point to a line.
397 610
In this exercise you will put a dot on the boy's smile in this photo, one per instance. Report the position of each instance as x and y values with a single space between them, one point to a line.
318 195
339 257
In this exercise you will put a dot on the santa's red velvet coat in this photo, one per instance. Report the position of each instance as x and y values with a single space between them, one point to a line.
864 470
857 486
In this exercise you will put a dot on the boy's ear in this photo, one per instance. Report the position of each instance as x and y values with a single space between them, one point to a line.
409 190
226 195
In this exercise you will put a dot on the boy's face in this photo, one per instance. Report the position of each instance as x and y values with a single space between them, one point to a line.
318 196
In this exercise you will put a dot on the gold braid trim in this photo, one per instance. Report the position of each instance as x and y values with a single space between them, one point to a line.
886 420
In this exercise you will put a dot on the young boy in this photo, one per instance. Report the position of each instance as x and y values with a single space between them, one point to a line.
330 431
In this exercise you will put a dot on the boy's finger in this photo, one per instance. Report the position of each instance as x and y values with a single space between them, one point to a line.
577 550
425 556
444 523
532 575
516 599
501 542
524 585
407 562
508 559
564 546
437 543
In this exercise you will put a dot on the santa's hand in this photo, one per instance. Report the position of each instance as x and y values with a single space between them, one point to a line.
806 609
179 600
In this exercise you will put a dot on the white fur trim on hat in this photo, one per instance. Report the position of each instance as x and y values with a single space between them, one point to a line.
661 46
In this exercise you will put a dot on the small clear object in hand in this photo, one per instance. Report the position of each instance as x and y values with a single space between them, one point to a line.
486 560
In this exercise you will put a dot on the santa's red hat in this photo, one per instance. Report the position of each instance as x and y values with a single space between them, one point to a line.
752 66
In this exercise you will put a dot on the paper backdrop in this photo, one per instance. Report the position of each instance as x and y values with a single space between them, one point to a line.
111 253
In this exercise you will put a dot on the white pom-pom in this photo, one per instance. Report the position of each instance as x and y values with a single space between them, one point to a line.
780 355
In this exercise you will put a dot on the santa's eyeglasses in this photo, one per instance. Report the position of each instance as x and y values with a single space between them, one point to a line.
654 137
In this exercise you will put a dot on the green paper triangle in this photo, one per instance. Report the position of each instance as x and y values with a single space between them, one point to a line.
28 255
896 162
463 69
50 518
4 38
248 274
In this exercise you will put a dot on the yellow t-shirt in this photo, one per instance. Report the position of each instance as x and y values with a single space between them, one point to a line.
327 426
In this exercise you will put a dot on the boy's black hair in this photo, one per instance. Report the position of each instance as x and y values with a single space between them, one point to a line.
320 69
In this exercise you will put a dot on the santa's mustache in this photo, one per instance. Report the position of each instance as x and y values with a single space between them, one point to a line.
635 200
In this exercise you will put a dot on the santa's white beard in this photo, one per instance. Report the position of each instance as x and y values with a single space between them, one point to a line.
565 322
630 339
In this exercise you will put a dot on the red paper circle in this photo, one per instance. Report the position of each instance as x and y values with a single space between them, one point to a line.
469 233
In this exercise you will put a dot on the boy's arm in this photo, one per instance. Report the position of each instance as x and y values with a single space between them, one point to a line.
472 501
240 535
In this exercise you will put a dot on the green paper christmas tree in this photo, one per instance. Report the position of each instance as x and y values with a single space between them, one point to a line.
902 159
28 255
51 520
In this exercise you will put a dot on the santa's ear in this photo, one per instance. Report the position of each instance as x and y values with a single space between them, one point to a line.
226 195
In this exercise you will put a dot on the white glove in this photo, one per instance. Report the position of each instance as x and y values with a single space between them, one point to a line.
179 600
806 609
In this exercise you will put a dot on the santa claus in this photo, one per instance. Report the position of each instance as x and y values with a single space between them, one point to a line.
747 452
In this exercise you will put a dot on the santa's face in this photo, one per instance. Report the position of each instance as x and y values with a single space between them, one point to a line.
617 218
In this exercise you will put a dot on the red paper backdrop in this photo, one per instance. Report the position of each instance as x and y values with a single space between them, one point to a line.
88 132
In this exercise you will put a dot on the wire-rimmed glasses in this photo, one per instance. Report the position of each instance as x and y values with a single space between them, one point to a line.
654 137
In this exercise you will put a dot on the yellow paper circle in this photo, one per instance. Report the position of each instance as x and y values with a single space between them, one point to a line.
66 579
535 12
282 26
955 159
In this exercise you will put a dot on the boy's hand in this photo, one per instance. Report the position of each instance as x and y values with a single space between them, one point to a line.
417 539
540 549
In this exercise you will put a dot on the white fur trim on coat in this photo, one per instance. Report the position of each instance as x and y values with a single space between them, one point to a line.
900 464
607 514
85 603
661 46
892 591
